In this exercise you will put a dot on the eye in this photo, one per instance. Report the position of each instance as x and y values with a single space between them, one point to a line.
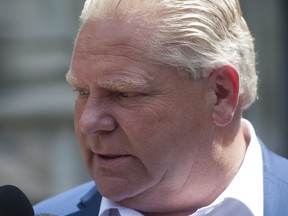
127 94
124 94
81 93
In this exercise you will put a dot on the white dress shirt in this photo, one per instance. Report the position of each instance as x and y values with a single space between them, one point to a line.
243 196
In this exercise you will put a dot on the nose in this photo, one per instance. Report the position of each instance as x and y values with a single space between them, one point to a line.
96 118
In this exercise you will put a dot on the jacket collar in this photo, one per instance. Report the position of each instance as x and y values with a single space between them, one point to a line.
89 204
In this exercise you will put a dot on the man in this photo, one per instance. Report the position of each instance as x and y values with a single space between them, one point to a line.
162 86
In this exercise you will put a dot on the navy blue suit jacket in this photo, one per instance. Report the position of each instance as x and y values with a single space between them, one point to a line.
84 200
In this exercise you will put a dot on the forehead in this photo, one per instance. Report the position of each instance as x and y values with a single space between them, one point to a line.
113 47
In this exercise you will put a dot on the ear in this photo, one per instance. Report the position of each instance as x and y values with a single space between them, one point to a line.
225 89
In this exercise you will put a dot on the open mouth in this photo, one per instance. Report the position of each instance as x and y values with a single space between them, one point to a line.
112 157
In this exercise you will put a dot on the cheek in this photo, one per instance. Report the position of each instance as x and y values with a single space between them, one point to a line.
160 136
151 139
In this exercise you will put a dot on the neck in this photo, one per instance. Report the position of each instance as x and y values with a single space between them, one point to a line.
213 176
232 158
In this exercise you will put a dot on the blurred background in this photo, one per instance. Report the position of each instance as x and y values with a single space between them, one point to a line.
38 148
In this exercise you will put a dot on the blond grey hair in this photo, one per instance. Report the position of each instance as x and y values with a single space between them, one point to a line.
195 36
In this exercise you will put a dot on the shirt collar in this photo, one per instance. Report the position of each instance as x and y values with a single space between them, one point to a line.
107 204
245 192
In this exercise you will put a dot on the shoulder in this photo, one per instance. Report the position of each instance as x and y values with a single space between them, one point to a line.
275 165
275 172
67 202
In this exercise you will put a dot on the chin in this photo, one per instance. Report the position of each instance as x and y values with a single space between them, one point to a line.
116 189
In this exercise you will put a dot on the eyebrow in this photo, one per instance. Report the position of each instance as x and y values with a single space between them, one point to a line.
119 84
123 83
71 79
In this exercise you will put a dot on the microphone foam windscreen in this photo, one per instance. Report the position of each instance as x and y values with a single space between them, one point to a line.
13 202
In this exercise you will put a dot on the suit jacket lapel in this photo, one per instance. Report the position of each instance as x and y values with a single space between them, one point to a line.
89 204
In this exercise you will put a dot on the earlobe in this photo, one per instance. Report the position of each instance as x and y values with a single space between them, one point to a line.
225 87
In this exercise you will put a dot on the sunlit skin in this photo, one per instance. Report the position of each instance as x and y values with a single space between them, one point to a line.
147 136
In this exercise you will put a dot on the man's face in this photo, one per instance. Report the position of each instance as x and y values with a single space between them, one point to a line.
143 130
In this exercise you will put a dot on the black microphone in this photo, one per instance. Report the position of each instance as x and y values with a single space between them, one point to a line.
13 202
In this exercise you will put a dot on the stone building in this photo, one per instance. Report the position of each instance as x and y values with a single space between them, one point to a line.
38 151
